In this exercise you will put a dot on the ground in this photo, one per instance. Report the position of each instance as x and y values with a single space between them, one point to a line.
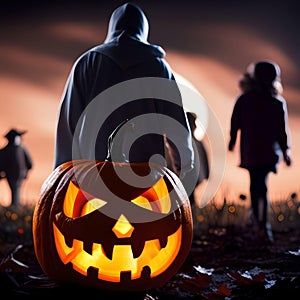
225 262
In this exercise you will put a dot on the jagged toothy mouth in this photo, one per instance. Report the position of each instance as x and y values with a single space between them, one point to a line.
115 263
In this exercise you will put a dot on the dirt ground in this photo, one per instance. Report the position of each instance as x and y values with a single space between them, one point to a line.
226 263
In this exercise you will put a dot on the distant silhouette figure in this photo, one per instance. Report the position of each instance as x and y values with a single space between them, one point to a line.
201 164
15 162
260 114
200 171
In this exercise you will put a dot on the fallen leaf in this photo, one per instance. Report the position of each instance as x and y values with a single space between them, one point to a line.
260 277
215 296
269 283
203 270
202 281
297 253
9 263
240 278
224 290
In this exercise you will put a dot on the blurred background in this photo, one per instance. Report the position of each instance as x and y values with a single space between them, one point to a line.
209 43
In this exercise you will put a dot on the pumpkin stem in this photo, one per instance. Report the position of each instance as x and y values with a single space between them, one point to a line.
110 139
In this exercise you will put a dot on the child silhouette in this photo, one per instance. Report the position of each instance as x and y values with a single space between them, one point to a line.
260 114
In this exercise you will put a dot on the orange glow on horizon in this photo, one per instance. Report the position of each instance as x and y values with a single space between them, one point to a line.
31 84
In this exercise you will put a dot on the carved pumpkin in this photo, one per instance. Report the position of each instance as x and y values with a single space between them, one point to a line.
118 237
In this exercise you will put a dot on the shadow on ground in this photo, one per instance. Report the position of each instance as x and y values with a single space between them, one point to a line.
226 263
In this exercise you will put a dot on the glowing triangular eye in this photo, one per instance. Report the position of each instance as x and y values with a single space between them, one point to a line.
155 198
78 203
142 202
92 205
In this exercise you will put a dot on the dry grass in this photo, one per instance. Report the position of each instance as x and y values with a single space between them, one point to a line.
283 214
15 222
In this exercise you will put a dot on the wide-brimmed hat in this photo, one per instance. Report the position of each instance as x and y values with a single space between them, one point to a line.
11 134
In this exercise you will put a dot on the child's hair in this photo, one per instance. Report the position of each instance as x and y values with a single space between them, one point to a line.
262 76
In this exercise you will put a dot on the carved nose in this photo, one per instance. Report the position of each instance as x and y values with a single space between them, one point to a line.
123 228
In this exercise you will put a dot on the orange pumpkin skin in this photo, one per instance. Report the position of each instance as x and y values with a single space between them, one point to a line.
64 233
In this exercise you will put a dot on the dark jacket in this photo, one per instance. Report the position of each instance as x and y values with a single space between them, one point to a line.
264 132
100 94
15 162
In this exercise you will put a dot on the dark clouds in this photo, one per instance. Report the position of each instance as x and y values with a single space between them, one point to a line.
180 25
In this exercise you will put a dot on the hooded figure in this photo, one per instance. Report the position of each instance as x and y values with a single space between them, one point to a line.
260 115
15 162
127 81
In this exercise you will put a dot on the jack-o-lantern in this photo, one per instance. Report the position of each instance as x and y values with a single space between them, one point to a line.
116 236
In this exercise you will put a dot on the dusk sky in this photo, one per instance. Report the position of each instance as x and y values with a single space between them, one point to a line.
209 43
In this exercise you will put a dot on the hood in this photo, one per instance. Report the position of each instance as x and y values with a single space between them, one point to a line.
126 42
129 19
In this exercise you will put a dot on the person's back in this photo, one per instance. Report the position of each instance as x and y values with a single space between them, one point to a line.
260 117
114 82
260 114
15 163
